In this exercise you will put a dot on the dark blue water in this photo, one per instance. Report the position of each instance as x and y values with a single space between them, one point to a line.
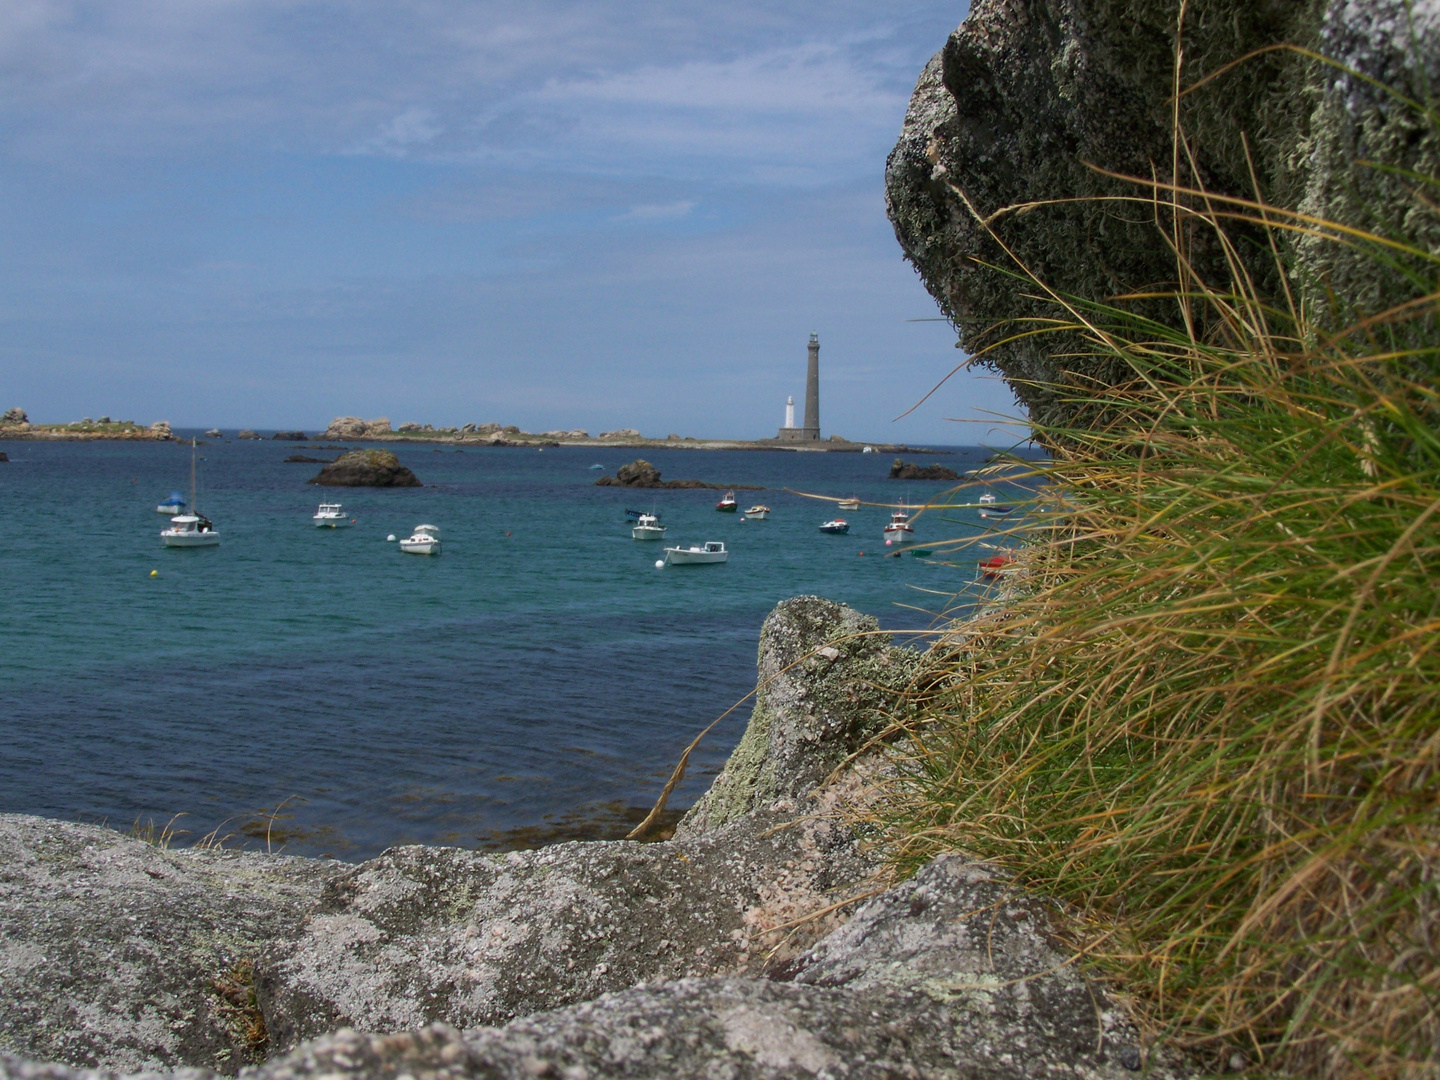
537 680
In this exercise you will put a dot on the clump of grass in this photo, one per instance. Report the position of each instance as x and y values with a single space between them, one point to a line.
1209 718
161 837
239 1006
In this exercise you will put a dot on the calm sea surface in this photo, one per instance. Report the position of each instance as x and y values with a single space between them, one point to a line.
536 681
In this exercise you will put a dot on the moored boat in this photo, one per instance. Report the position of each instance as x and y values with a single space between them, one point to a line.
1001 564
425 540
712 551
727 504
330 515
193 529
991 508
758 512
852 503
836 525
899 530
648 527
175 504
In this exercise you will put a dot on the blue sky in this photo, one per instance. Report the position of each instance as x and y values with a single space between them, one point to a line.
554 214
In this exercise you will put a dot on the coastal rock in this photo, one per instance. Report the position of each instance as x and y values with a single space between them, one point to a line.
950 975
827 681
4 456
352 427
621 433
290 436
111 948
640 473
14 416
1028 97
213 433
161 430
908 470
247 434
366 468
408 428
306 459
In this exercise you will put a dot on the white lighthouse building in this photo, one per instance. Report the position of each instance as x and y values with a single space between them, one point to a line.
790 411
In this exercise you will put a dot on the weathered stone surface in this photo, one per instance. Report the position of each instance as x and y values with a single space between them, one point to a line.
639 473
1028 96
161 430
949 975
246 433
352 427
109 947
290 436
14 416
827 682
901 469
366 468
621 433
213 433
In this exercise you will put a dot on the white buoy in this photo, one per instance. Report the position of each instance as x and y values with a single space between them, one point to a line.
659 563
390 539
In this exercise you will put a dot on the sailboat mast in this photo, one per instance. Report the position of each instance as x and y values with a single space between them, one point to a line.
193 508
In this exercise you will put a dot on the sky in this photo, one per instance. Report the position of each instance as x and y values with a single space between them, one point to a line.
552 213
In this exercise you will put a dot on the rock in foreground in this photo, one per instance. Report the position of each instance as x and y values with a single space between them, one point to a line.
901 469
111 949
366 468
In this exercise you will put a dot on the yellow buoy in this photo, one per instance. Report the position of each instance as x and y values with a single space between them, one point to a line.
154 573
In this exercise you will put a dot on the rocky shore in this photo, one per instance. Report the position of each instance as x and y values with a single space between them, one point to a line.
15 424
764 939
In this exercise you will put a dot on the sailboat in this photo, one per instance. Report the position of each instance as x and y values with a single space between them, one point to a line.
193 529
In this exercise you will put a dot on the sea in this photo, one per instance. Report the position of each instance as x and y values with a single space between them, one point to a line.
318 692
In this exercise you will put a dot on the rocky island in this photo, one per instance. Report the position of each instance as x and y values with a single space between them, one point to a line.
365 468
15 424
641 474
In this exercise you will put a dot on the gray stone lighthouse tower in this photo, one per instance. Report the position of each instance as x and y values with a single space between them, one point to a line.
811 430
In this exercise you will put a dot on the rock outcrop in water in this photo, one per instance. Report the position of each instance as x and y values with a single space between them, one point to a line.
900 469
1030 99
352 427
689 957
366 468
641 474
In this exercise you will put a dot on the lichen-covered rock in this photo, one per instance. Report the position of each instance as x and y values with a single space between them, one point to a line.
290 436
161 430
352 427
110 948
1030 99
366 468
828 680
950 975
14 416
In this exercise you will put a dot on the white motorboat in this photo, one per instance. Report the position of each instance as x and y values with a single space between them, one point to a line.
991 508
838 526
175 504
758 512
713 551
852 503
900 531
331 516
425 540
193 529
647 527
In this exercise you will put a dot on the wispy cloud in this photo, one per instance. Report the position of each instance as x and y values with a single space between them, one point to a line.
672 211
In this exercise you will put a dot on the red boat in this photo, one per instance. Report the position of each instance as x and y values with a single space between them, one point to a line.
727 504
998 565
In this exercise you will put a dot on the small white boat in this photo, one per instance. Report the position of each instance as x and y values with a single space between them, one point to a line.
713 551
899 531
727 504
175 504
838 526
758 512
190 530
425 540
647 527
852 503
193 529
990 508
330 515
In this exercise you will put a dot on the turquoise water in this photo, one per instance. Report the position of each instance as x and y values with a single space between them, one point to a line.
537 680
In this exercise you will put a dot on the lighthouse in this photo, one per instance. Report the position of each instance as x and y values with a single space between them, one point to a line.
811 431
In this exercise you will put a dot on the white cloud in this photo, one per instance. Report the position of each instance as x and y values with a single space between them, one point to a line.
413 128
